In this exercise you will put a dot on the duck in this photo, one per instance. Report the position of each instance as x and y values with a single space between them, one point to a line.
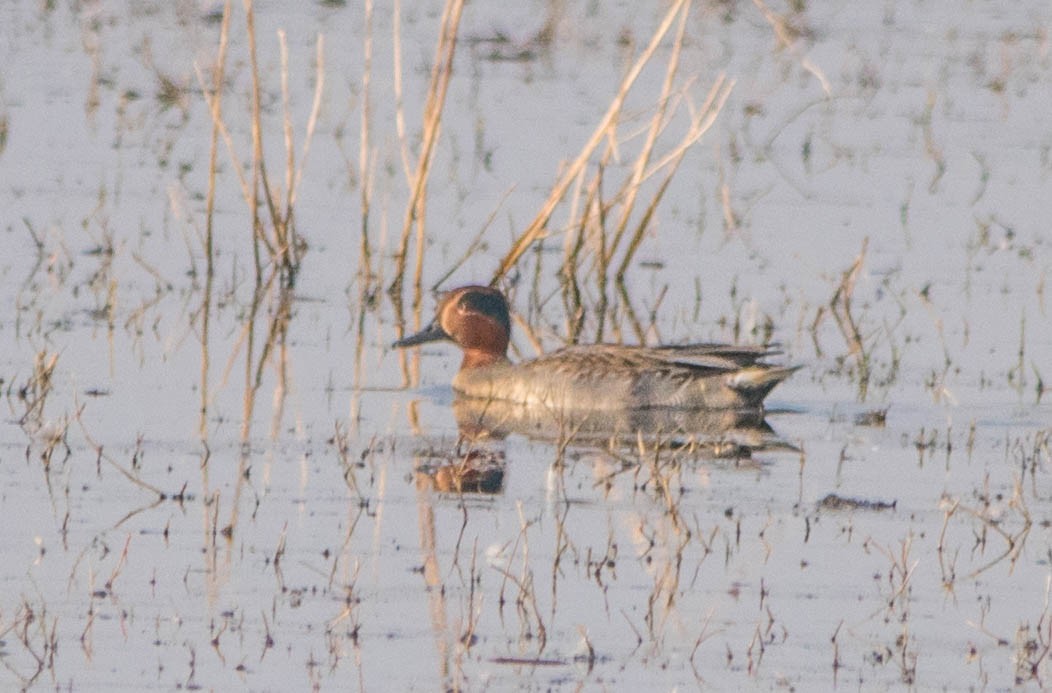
593 377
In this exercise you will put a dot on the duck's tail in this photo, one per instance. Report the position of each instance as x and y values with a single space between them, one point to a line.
755 382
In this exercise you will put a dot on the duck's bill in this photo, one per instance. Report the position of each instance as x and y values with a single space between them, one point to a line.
431 333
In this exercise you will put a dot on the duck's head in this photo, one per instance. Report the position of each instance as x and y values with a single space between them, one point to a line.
476 319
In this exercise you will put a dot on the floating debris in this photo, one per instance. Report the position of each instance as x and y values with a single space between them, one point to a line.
877 418
837 502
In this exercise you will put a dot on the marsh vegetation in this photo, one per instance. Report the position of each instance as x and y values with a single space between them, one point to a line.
217 474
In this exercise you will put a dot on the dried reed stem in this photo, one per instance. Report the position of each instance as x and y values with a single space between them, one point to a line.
840 307
364 146
282 246
217 122
657 123
536 229
215 108
701 123
312 124
129 475
259 173
396 48
441 73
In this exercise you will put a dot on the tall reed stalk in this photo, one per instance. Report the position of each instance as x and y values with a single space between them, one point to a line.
603 233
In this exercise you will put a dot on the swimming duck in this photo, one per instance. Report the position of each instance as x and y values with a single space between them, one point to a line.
596 376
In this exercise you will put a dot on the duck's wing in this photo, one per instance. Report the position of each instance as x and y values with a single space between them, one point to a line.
707 354
606 360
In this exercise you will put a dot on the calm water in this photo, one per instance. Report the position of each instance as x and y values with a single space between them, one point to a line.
299 540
